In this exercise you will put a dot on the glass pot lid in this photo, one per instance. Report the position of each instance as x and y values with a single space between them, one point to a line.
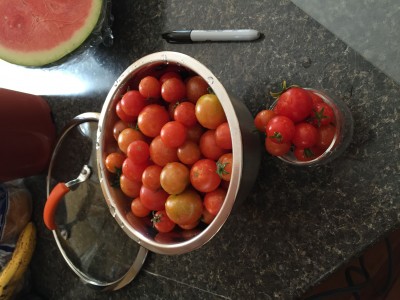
87 235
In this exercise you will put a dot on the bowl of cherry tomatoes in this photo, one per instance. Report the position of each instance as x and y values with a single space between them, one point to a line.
171 147
305 126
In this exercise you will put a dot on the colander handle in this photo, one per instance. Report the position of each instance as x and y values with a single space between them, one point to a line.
50 207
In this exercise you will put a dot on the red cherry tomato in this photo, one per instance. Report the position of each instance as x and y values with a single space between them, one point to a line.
209 147
114 162
280 129
213 201
195 132
224 166
132 170
184 208
189 153
173 90
294 103
130 188
150 87
206 217
151 177
138 209
173 134
277 149
138 151
204 176
322 114
185 113
262 118
307 154
153 200
118 127
315 98
151 119
127 136
325 136
132 103
196 87
162 222
122 115
305 135
169 75
160 154
223 137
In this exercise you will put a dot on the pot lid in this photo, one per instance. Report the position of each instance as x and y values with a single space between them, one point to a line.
87 235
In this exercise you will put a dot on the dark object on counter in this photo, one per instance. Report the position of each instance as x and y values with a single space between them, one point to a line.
190 36
27 135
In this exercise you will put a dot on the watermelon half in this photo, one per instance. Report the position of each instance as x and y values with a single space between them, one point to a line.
39 32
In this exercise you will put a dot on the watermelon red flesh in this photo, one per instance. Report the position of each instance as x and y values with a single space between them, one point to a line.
38 32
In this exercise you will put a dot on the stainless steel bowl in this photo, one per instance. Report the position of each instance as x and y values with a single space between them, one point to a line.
246 156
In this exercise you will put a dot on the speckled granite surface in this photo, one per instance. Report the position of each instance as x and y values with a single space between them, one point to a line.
297 225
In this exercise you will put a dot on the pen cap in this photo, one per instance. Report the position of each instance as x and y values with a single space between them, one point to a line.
177 37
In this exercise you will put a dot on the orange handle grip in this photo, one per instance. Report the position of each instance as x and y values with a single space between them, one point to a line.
51 204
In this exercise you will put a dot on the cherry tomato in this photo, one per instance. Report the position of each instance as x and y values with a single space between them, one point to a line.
307 154
138 151
169 75
122 115
132 170
196 87
213 200
160 154
153 200
195 132
325 136
277 149
209 147
224 166
204 176
174 178
129 187
190 226
262 118
206 217
223 137
138 209
189 153
127 136
151 119
315 98
294 103
305 135
173 89
162 222
118 127
322 114
132 103
184 208
209 111
114 162
185 113
150 87
280 129
173 134
151 177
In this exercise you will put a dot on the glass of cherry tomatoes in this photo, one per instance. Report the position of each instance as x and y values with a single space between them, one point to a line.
305 127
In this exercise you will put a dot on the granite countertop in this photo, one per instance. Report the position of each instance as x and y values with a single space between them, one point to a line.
298 225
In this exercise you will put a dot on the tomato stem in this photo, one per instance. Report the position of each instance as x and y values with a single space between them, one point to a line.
276 95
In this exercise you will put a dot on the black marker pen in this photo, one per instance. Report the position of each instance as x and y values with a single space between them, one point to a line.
190 36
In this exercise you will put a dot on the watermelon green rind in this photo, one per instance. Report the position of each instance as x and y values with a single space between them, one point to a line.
43 57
